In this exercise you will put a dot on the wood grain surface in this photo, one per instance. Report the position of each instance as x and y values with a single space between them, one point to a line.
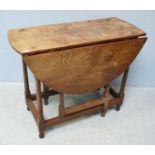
60 36
76 58
84 69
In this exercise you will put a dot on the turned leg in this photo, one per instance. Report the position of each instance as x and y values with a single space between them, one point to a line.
26 83
61 106
105 100
40 119
122 88
45 90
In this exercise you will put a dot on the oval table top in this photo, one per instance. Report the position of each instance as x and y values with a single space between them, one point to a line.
67 35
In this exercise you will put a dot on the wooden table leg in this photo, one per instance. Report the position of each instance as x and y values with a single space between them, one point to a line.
61 106
42 124
40 118
26 83
45 90
105 99
122 88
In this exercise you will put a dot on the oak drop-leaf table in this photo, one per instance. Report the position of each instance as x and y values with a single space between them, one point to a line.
76 58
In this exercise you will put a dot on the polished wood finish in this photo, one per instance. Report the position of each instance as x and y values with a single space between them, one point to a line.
84 69
76 58
59 36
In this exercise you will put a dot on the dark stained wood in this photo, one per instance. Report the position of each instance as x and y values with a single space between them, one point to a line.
84 69
59 36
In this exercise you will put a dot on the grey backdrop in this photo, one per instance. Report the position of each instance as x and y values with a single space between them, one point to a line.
142 71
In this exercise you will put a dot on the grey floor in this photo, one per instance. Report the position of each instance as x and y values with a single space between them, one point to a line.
133 124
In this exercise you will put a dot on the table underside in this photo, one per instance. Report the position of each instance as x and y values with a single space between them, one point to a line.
76 58
76 71
102 104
